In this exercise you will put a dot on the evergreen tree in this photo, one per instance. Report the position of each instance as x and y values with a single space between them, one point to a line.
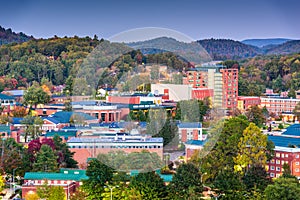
149 185
186 182
65 156
46 160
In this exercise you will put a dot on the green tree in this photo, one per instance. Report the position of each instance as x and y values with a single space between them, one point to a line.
68 90
46 160
292 93
149 185
57 193
65 156
68 105
168 133
33 126
186 182
252 149
256 115
122 191
44 190
287 173
277 84
256 178
265 112
226 148
35 95
98 174
79 194
228 182
283 189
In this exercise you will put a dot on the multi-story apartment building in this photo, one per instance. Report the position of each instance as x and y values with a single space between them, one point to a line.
223 80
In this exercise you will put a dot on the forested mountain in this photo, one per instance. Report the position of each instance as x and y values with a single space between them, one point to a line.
8 36
223 49
265 42
285 48
189 51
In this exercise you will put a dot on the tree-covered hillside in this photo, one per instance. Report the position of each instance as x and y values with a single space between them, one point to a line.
58 59
224 49
279 72
285 48
8 36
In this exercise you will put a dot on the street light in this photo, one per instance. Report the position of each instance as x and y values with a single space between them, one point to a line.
14 179
111 189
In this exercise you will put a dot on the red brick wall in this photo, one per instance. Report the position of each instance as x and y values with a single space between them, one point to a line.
195 134
202 93
291 159
124 100
184 135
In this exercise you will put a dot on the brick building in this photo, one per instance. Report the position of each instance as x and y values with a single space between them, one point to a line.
90 147
191 147
69 179
279 105
190 131
223 81
286 151
245 102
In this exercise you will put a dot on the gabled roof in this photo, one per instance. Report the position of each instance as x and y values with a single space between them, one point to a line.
64 174
190 125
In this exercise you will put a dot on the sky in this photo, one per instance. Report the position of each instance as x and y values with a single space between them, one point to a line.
197 19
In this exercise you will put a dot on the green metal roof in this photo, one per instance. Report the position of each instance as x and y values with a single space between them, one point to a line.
4 128
64 174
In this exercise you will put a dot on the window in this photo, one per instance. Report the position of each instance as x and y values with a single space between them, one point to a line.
278 169
297 163
282 155
272 161
286 155
278 155
297 155
272 167
277 161
297 170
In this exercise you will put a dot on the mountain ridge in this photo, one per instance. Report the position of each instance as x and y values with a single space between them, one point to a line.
7 36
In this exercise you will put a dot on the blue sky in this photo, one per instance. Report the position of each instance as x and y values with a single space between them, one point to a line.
198 19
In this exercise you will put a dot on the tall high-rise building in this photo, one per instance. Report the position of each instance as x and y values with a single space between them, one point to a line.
223 80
